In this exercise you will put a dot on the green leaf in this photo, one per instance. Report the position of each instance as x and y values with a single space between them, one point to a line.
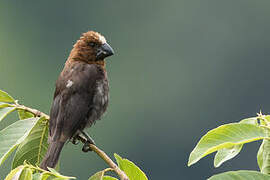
131 170
49 175
98 176
14 174
263 157
225 136
109 178
5 97
226 154
26 171
2 105
36 176
53 171
267 117
33 148
240 175
252 120
24 114
44 176
5 111
260 155
13 135
58 175
26 174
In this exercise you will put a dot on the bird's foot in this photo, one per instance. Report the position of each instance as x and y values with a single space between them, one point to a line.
75 140
89 140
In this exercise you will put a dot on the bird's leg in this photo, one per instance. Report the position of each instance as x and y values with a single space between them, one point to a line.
89 140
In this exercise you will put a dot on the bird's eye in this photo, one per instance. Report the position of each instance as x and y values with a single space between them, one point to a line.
92 44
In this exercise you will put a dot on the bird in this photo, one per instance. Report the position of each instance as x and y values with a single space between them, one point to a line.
81 95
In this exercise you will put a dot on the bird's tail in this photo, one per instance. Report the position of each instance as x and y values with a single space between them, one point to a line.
52 155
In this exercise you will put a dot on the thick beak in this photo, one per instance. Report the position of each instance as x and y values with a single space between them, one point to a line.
105 50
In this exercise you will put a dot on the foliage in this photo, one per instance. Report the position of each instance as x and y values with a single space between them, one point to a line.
29 135
131 170
34 147
227 140
240 175
29 172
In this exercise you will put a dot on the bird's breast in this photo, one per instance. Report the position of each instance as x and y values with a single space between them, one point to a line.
99 102
101 98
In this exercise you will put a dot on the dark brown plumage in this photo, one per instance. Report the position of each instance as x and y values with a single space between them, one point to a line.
81 94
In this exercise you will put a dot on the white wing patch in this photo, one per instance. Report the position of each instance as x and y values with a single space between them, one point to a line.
102 39
69 83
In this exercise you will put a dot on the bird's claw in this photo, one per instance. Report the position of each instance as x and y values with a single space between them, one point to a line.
88 138
75 141
86 147
88 141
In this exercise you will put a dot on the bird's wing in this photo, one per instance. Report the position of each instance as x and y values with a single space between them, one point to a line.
72 101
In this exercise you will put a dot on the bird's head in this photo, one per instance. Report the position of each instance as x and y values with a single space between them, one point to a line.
92 47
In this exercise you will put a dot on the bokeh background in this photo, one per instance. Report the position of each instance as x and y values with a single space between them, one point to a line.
181 68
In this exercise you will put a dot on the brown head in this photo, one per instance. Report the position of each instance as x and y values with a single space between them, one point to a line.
91 48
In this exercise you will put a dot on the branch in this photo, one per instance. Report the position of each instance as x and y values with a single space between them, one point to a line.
93 147
33 111
106 158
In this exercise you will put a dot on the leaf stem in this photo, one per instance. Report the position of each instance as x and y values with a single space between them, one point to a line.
93 147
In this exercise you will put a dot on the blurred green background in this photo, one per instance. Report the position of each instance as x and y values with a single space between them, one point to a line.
181 68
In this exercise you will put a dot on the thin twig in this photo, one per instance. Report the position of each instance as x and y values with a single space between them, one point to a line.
93 147
106 158
33 111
